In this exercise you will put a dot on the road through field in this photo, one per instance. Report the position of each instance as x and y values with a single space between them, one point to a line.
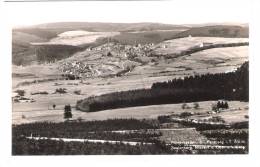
132 143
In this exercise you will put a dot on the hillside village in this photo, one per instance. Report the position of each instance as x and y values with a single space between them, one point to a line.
118 59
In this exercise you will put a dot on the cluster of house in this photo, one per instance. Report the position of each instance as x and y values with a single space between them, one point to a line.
75 68
16 98
209 121
122 47
114 50
121 50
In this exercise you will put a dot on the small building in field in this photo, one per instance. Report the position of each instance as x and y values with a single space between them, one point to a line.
15 95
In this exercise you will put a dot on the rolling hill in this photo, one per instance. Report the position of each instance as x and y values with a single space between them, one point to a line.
107 27
227 31
124 33
22 51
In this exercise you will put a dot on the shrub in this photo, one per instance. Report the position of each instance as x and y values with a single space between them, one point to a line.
217 119
61 90
185 106
79 119
41 93
226 105
16 101
222 104
185 114
109 54
20 92
77 92
163 118
214 107
196 105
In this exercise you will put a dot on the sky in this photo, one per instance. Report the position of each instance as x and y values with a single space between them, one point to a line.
172 12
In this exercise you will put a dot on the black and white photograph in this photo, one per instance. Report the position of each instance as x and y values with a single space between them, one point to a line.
129 78
130 88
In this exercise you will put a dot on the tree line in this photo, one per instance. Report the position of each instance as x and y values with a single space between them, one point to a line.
231 86
23 146
81 129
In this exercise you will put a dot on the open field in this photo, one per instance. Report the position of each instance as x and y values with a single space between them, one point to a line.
77 38
184 135
178 45
40 112
218 60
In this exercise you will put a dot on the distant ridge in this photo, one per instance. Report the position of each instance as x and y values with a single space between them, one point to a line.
98 26
227 31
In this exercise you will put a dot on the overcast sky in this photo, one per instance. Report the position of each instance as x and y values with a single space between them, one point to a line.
173 12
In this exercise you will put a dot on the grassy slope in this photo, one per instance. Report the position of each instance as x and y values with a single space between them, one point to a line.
173 46
22 52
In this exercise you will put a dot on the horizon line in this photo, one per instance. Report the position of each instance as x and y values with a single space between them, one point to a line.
177 24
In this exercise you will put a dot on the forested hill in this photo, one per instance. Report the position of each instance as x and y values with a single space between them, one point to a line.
226 31
230 86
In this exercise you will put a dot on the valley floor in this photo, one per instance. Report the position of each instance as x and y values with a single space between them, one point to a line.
236 112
